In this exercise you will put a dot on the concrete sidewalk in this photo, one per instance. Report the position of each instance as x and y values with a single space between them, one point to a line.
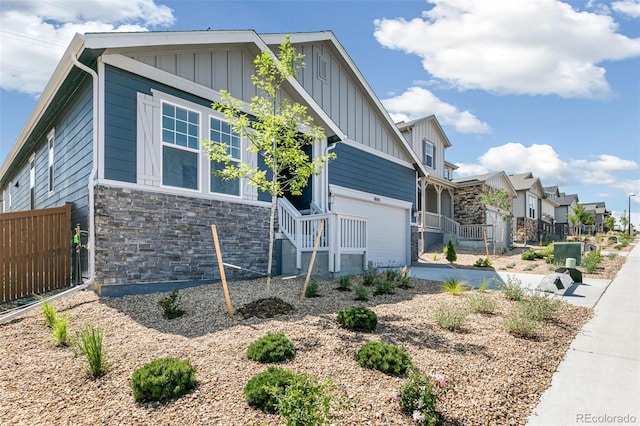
598 381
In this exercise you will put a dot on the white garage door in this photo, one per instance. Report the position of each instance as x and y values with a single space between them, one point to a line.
387 228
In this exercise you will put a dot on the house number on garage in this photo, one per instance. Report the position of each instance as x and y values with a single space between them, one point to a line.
376 199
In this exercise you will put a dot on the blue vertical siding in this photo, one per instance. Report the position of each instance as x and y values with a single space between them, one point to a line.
357 169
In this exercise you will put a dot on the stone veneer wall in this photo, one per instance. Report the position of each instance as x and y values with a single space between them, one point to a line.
527 229
414 243
153 237
467 208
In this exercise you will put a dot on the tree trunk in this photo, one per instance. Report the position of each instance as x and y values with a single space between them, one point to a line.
272 235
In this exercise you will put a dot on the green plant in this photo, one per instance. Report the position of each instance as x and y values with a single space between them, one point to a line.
539 307
163 379
482 303
450 317
390 359
169 305
483 262
59 330
530 267
273 347
362 292
435 256
344 283
547 251
369 276
89 343
403 280
612 256
384 286
510 265
549 259
512 289
528 255
451 252
418 397
306 401
520 325
357 318
591 261
50 313
484 285
454 285
262 390
312 288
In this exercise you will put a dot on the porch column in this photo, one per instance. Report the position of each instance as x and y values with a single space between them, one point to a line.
439 189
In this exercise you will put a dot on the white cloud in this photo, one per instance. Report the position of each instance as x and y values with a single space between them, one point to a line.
537 47
35 33
545 163
627 7
418 102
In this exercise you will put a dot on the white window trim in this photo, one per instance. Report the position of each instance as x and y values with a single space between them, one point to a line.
198 151
433 154
51 143
530 208
32 180
204 162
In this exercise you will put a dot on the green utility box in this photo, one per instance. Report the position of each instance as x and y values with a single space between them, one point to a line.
563 251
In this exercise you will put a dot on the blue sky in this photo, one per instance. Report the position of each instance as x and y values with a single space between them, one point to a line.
530 85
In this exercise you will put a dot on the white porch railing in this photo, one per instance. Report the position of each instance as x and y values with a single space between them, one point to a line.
341 233
439 222
475 232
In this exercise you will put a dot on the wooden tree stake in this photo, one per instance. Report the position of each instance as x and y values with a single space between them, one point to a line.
486 246
313 258
221 266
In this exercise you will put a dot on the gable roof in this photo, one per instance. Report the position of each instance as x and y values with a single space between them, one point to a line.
566 200
525 182
402 126
101 42
484 178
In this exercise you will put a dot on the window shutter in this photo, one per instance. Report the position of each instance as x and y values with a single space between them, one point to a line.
148 141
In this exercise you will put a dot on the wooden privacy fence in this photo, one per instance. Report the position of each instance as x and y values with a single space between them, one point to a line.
35 252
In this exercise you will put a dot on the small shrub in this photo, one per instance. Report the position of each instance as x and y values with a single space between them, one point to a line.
418 397
89 343
539 307
273 347
483 262
305 401
387 358
362 292
454 286
510 265
591 261
262 390
391 275
404 278
530 267
344 283
49 313
369 276
612 256
357 318
528 255
450 317
482 303
384 286
451 252
312 288
547 251
484 285
170 307
163 379
519 325
549 259
512 289
59 330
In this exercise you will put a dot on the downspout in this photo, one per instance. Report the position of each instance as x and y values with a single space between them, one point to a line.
92 175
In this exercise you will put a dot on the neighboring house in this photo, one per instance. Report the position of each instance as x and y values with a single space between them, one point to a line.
527 207
435 207
478 220
600 214
565 205
117 133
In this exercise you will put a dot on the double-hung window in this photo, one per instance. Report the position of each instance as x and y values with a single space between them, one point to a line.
50 143
429 155
32 182
180 146
221 132
532 207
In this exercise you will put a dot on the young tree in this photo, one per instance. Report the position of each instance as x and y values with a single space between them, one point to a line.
576 216
624 220
501 201
610 223
278 132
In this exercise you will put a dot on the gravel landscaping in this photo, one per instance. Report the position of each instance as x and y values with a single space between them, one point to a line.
496 378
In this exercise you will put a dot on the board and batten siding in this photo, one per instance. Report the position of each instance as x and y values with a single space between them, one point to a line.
356 169
341 96
73 155
427 130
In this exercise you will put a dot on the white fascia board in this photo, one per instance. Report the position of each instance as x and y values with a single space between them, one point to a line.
330 37
51 89
167 38
139 68
377 153
303 93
